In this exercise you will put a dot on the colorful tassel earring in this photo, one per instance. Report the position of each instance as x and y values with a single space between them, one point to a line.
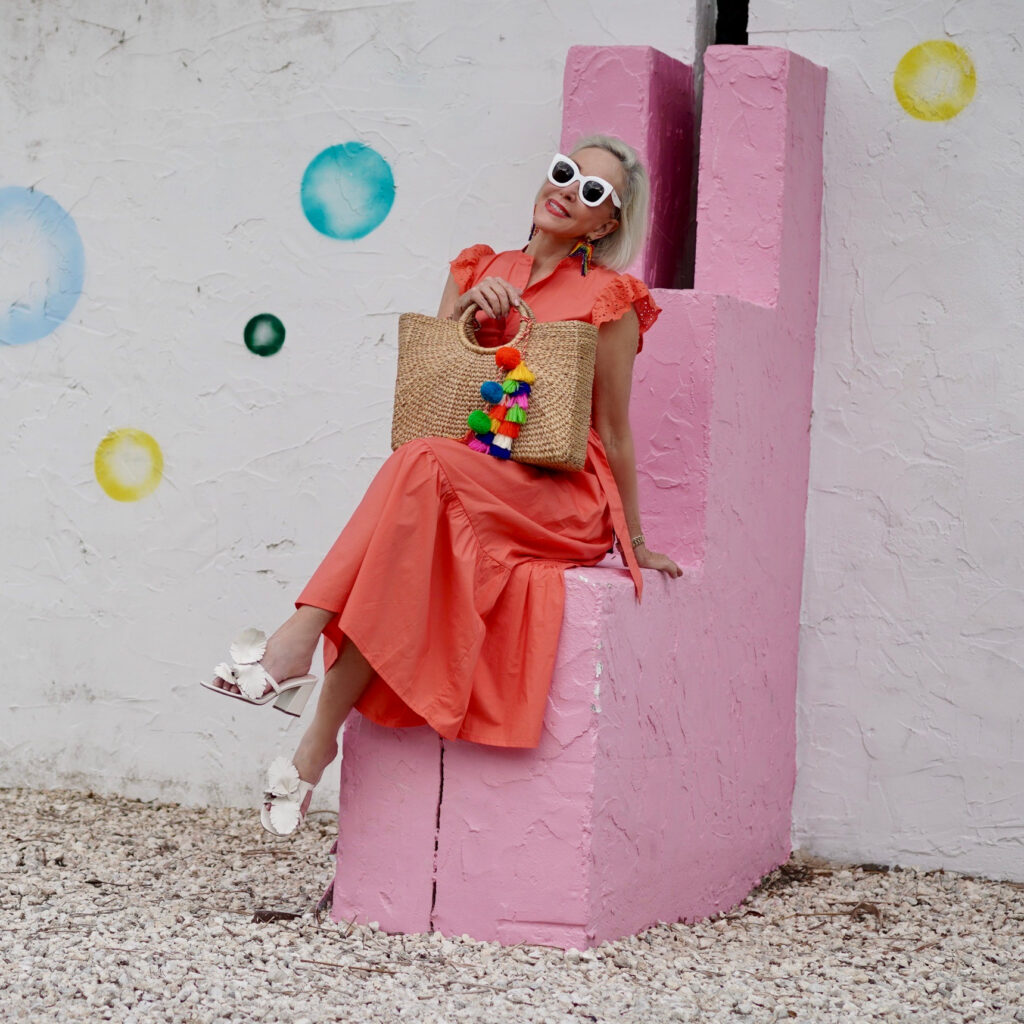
584 248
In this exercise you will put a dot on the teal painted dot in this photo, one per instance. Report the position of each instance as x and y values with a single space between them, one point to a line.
347 191
264 335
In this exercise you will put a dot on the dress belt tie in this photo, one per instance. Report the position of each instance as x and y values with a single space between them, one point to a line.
618 514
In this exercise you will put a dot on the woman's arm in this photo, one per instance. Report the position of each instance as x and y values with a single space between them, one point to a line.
449 297
613 378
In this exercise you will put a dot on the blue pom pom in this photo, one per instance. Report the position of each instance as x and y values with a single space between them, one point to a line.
500 453
492 392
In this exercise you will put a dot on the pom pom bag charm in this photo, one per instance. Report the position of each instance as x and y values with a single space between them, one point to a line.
444 375
497 428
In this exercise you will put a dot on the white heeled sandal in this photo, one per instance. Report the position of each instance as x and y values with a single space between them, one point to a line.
247 673
282 813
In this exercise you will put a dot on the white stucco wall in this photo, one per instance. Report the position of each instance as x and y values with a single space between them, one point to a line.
176 133
911 691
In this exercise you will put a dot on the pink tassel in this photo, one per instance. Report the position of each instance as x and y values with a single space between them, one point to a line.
478 446
522 401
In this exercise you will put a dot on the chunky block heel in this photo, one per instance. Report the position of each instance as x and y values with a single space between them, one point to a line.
292 701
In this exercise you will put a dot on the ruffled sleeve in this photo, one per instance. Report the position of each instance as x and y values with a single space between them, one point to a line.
618 295
465 264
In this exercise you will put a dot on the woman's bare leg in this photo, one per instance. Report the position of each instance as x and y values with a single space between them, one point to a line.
344 684
290 653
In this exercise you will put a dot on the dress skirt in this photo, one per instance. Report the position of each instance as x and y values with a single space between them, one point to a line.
449 579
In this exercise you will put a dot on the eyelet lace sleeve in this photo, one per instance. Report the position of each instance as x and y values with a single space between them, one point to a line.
464 265
618 295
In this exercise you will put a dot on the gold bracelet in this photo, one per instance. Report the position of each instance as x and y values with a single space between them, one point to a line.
637 541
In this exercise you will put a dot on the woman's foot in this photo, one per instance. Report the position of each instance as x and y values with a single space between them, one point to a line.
344 682
290 649
286 799
290 784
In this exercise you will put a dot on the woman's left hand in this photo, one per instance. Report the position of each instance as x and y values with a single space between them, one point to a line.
648 559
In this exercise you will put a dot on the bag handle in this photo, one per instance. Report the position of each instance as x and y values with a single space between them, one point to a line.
527 320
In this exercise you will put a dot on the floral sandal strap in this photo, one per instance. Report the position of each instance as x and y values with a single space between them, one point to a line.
245 671
285 795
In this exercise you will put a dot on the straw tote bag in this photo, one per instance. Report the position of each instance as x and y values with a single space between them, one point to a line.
441 369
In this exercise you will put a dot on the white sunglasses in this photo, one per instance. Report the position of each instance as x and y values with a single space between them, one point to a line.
593 191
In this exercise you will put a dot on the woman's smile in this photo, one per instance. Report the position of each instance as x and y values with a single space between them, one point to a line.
555 207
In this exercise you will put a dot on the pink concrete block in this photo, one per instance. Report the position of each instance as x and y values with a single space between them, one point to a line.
646 98
662 786
518 858
529 808
740 192
508 808
387 825
671 410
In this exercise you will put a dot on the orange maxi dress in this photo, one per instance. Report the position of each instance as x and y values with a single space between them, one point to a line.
449 575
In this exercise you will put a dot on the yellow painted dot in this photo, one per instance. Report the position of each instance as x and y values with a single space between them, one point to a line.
935 81
129 464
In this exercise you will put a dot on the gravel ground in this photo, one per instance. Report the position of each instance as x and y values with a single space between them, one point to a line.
120 910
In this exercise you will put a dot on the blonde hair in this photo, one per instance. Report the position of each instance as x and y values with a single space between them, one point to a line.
618 250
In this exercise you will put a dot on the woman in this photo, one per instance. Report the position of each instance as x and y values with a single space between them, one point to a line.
441 601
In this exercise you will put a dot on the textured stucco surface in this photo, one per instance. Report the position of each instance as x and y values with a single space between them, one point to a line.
643 96
177 134
911 694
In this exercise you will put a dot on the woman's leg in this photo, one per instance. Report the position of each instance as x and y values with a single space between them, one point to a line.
344 684
290 653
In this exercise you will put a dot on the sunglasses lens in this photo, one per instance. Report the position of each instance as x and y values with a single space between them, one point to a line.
592 192
562 172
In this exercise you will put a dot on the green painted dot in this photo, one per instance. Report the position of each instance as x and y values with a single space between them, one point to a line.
264 334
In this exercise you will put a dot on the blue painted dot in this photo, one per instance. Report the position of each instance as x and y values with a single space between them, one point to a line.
42 265
347 190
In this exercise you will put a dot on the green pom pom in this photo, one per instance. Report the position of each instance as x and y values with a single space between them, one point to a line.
479 422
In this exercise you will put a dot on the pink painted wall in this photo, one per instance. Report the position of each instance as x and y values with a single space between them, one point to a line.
662 786
646 98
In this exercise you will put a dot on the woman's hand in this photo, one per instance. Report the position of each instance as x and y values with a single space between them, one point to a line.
648 559
494 295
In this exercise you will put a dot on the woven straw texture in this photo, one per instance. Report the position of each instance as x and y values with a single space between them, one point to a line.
441 368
